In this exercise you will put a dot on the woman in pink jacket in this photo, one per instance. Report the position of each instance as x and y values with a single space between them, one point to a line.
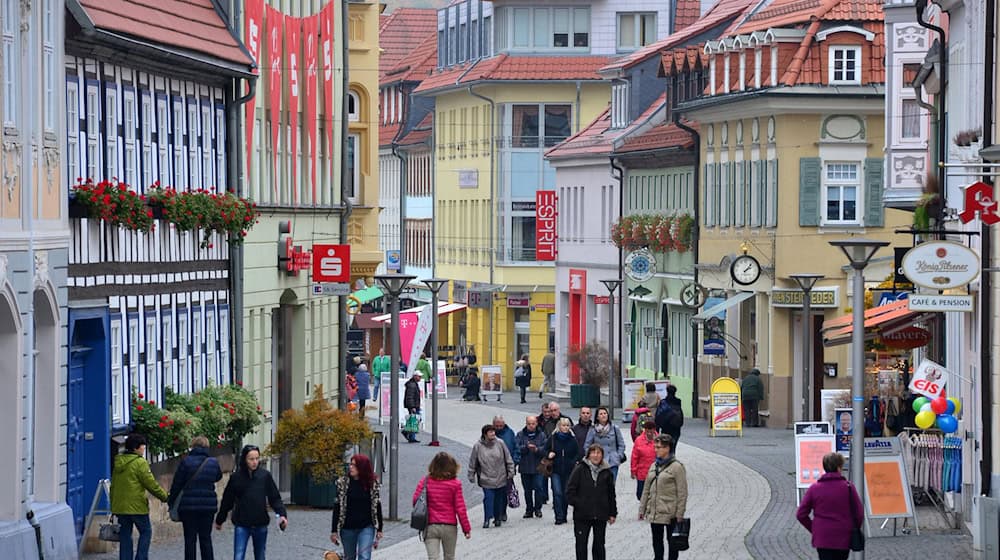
445 507
830 509
643 456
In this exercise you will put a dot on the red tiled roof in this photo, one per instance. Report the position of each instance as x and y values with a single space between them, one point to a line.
400 33
418 65
597 138
785 13
665 135
387 133
421 133
193 25
686 12
506 67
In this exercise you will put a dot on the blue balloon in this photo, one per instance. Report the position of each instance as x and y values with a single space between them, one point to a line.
951 407
947 423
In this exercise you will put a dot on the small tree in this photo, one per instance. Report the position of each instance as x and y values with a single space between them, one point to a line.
593 359
317 437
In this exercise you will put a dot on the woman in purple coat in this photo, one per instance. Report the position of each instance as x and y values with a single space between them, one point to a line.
830 509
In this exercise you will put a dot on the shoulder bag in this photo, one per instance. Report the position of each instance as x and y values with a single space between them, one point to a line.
418 517
110 531
857 536
682 527
175 513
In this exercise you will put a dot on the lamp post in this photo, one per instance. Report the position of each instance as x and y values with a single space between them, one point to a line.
859 252
806 283
434 284
393 285
612 286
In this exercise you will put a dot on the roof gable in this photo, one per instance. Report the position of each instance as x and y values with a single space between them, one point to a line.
400 33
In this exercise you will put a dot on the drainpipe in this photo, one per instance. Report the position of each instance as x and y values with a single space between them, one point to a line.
31 106
237 171
493 156
621 270
344 197
404 117
942 130
987 332
695 234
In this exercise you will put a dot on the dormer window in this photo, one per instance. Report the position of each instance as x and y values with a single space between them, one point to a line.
845 65
619 105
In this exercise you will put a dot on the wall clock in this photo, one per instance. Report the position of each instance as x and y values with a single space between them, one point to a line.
745 270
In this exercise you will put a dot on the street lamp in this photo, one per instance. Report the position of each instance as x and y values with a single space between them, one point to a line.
806 283
612 285
434 284
859 251
393 285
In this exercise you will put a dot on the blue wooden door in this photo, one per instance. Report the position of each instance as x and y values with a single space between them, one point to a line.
75 442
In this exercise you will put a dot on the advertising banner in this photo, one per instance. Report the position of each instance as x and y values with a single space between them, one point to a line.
492 380
407 330
634 389
310 35
425 323
274 23
293 36
843 422
545 225
254 21
725 406
929 379
809 452
442 379
326 42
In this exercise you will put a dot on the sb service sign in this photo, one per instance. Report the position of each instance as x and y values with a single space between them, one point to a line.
331 263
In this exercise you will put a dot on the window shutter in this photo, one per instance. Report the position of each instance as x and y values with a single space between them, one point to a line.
772 193
809 185
726 201
874 211
709 202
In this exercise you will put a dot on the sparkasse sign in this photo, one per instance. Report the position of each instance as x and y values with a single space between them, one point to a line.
941 265
332 263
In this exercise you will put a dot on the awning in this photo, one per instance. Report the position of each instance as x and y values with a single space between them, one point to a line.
370 293
366 321
877 319
705 314
443 309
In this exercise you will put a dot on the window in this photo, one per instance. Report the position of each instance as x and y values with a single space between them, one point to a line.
841 191
220 147
149 335
193 133
93 138
354 165
523 238
210 340
845 65
72 130
147 139
128 122
183 378
161 141
180 179
167 340
111 131
353 106
197 340
117 402
910 116
224 343
557 124
51 66
619 105
636 30
11 56
524 133
542 28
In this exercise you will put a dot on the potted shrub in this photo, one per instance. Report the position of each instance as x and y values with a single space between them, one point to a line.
316 440
966 145
593 361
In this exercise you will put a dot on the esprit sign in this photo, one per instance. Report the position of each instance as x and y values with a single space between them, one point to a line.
545 225
907 339
331 263
941 265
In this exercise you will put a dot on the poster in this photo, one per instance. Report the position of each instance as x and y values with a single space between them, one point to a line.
326 43
844 426
809 452
492 380
929 379
887 491
254 20
274 44
385 406
384 392
633 390
725 406
293 46
442 379
832 399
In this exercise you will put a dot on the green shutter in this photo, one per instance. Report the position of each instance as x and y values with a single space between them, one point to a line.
772 193
706 199
874 211
809 185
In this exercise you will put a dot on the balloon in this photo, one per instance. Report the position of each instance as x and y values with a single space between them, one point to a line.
925 419
951 407
957 403
947 423
919 403
927 407
939 405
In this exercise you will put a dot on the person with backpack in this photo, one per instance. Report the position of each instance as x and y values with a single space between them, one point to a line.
609 437
193 490
664 495
670 415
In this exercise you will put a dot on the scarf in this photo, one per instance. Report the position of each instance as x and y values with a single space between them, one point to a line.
602 429
663 462
565 435
594 469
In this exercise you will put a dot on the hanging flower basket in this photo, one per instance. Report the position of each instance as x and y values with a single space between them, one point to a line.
660 233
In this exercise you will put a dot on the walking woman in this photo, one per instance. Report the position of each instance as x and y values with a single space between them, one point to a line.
835 509
643 455
130 480
664 496
563 451
445 507
357 515
522 375
364 394
608 436
249 491
491 466
591 492
194 485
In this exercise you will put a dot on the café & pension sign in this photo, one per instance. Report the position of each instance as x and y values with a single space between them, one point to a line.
941 265
819 297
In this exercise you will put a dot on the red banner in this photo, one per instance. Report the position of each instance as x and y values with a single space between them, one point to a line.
545 225
274 23
310 31
253 23
293 35
326 40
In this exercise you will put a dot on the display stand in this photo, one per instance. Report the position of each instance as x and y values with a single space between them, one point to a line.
103 493
887 486
934 465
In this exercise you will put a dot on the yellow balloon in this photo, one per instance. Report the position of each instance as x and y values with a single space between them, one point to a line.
958 405
925 419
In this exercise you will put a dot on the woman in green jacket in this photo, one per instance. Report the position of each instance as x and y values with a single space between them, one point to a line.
130 480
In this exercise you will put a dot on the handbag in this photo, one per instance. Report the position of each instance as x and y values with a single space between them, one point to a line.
418 517
857 536
513 498
175 513
679 535
545 467
110 531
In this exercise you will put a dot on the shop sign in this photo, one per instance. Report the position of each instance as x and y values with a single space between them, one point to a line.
933 302
522 206
545 225
640 265
941 265
603 300
907 339
886 298
518 300
577 281
822 297
929 379
898 276
544 307
724 397
479 300
332 264
392 259
979 199
468 178
812 428
292 259
328 289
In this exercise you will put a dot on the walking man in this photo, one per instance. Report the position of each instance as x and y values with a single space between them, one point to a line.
752 389
548 373
530 450
380 364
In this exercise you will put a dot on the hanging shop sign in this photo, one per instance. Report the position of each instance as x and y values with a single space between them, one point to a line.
936 302
545 225
820 297
941 265
292 258
907 339
392 259
640 265
898 275
332 263
979 199
929 379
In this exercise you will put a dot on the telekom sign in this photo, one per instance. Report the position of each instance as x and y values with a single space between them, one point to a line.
545 225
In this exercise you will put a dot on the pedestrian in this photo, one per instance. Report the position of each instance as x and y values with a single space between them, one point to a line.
664 496
676 422
491 465
357 514
509 438
607 435
250 491
651 399
830 510
522 375
194 485
643 455
548 373
424 366
472 384
563 451
530 451
445 507
555 416
752 391
591 492
411 402
583 425
130 480
380 364
364 394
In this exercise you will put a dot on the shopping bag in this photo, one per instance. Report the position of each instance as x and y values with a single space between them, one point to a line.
679 536
513 498
110 531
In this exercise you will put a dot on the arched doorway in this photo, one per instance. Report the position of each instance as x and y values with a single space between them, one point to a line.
10 349
48 412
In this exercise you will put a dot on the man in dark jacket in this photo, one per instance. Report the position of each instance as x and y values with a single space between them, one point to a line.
530 450
582 427
471 384
411 402
552 421
194 485
674 429
752 390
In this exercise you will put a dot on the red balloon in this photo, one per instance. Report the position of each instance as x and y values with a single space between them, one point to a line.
939 405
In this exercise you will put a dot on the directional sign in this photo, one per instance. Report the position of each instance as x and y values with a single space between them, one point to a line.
931 302
328 289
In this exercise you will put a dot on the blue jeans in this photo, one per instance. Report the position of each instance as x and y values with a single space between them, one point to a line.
140 522
244 534
494 503
614 473
358 543
532 491
559 504
639 484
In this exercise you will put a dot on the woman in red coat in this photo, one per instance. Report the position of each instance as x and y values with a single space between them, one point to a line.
830 509
643 455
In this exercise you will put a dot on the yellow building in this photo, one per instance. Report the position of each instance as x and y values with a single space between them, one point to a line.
792 134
